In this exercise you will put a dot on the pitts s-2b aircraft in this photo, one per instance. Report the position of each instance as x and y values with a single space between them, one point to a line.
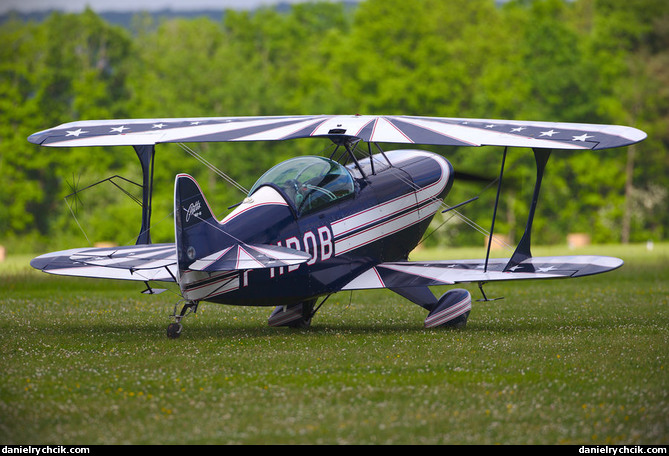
312 226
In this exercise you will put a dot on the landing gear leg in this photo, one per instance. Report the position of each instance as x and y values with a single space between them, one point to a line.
174 329
485 298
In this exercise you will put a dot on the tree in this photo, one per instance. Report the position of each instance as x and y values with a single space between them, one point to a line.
601 61
631 42
69 67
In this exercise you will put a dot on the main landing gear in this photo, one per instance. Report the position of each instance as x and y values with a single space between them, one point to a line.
294 315
451 310
174 329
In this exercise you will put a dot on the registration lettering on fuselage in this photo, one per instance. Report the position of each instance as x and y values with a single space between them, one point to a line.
317 242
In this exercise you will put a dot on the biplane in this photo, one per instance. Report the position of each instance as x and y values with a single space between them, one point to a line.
313 226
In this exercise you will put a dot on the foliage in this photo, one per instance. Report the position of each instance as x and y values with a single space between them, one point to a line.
598 61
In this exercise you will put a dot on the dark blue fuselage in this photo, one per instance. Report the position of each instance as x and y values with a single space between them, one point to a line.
381 220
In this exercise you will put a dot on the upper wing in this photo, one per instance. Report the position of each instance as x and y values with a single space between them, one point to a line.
420 274
380 129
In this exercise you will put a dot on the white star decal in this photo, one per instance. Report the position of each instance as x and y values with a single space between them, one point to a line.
514 268
583 137
490 126
119 129
548 133
518 129
159 125
75 132
549 268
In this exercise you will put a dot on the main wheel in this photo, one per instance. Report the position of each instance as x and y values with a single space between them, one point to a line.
294 316
452 310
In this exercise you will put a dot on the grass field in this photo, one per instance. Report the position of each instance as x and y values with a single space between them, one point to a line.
580 361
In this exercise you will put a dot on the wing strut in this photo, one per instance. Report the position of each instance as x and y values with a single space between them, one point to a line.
349 143
146 155
494 212
522 252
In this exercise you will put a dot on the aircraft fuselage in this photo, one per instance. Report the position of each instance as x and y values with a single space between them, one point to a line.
382 220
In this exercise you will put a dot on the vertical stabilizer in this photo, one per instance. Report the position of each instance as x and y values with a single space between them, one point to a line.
195 228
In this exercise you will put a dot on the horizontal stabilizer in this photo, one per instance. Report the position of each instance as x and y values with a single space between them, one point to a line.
418 274
245 256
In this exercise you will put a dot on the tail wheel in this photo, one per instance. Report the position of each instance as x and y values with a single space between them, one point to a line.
174 329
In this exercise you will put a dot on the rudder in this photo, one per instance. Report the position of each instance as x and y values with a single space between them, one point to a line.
194 223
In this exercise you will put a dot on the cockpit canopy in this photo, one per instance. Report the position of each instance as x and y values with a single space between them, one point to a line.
309 182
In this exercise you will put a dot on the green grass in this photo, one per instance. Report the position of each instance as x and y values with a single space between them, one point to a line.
579 361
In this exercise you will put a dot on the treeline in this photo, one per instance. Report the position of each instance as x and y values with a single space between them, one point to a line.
596 61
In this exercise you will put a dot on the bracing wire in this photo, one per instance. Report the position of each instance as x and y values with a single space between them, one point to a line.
77 220
457 213
211 166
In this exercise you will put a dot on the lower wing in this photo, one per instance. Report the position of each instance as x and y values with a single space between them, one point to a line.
406 274
158 262
138 262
